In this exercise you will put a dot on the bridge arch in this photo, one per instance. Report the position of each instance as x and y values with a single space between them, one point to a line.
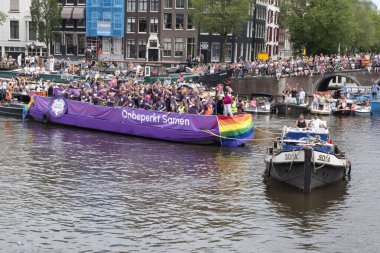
322 84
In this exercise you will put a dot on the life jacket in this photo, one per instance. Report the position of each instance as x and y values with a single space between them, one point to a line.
234 108
181 109
8 95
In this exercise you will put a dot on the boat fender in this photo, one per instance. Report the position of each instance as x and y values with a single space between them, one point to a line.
269 169
349 169
46 118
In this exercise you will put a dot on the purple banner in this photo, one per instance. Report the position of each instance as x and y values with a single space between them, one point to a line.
128 116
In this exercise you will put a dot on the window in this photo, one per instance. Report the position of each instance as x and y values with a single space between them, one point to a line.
180 3
32 33
81 43
154 25
117 21
142 25
14 5
117 3
167 47
70 1
190 48
142 48
107 16
168 3
229 52
57 43
81 23
190 4
178 47
131 5
154 5
131 25
95 18
143 5
14 30
167 21
215 51
69 39
153 43
131 49
80 2
179 21
106 45
69 22
190 25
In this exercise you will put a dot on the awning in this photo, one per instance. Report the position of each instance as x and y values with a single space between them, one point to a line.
78 13
67 12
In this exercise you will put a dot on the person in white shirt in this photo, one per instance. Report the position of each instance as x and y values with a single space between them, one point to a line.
301 97
316 123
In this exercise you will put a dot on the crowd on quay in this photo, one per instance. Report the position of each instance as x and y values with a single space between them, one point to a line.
307 65
297 66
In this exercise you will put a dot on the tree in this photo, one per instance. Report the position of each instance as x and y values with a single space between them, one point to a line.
3 17
319 26
46 19
221 16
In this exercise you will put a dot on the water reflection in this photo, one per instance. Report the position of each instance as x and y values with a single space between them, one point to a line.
67 189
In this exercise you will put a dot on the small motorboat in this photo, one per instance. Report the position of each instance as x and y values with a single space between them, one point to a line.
326 110
292 109
363 111
342 112
13 109
305 159
375 106
265 104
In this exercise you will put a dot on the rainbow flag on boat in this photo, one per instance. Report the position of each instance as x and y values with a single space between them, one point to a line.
26 107
235 130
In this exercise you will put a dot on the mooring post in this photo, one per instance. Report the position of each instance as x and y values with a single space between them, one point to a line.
307 172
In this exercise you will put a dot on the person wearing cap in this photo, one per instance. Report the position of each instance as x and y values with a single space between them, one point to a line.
316 123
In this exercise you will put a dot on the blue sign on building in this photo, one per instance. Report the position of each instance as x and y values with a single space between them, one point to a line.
105 18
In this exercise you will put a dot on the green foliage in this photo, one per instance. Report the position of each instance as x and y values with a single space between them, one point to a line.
220 16
46 18
325 26
3 17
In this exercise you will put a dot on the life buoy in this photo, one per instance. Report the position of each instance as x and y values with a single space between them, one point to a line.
46 118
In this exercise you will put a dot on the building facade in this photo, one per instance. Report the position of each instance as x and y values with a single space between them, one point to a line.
178 37
142 26
17 36
70 41
273 29
105 28
284 46
259 41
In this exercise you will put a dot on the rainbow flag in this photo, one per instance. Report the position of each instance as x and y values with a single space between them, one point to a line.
235 130
26 107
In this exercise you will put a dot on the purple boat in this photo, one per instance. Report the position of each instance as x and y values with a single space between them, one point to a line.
186 128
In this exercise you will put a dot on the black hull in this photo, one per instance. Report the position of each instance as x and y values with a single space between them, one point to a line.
291 109
295 176
211 80
342 113
13 111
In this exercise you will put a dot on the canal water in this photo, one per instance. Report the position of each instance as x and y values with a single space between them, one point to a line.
70 190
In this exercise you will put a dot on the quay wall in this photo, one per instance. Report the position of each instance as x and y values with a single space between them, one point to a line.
271 85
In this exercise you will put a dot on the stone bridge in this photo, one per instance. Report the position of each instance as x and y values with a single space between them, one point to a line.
270 85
